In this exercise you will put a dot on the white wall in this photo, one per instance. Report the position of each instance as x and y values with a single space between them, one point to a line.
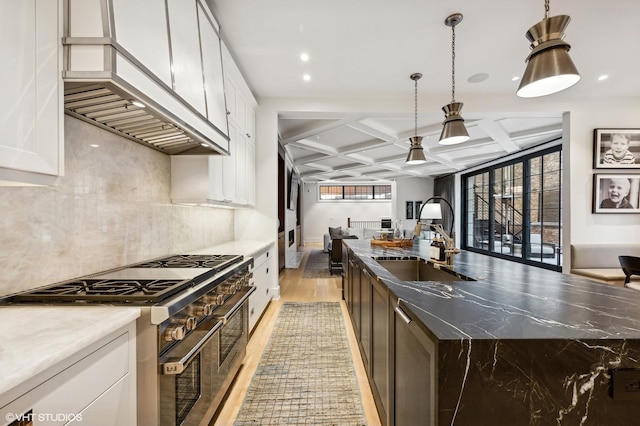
319 216
584 226
411 189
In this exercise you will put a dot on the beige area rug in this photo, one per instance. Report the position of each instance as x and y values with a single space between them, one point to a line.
306 373
317 265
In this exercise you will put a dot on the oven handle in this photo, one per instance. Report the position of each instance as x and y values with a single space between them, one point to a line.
177 365
224 318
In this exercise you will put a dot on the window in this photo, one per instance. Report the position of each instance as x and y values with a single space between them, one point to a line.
514 209
354 192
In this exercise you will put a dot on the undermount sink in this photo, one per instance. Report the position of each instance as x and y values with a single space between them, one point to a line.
417 270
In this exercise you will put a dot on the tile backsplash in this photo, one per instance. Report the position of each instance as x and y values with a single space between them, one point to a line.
111 208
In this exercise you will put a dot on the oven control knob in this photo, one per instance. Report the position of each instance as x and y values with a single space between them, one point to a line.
215 299
200 309
190 322
174 332
227 288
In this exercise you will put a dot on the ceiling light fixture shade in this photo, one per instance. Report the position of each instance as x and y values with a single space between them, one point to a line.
454 130
549 66
416 152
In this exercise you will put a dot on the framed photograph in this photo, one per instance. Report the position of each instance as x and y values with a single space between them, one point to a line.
616 193
418 205
616 148
409 210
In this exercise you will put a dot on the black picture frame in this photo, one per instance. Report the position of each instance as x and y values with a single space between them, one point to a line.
605 158
409 213
607 197
418 205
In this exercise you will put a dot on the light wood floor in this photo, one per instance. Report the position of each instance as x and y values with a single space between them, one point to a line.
295 288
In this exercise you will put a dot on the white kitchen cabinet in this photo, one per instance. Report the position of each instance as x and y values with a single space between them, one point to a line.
31 113
241 104
251 173
241 166
96 386
262 273
222 180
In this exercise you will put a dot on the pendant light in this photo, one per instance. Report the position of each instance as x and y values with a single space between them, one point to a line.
549 67
416 152
453 131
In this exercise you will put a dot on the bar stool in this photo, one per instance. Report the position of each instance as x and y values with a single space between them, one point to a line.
630 266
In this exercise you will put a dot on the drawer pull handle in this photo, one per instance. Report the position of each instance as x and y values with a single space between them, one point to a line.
403 315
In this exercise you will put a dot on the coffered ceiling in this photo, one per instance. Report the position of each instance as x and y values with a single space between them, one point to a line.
363 52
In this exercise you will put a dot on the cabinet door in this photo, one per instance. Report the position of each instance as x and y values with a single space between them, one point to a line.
229 169
212 70
356 299
380 346
346 292
365 317
31 115
251 173
241 167
215 175
414 373
186 62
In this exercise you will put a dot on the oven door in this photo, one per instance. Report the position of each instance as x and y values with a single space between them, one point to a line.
186 376
232 342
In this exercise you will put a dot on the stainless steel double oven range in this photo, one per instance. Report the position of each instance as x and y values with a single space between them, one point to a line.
191 335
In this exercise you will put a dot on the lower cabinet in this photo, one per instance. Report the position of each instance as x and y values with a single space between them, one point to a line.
413 372
99 388
380 346
259 299
356 301
398 355
365 318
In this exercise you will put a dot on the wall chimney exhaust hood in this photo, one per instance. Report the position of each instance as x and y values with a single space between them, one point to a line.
148 70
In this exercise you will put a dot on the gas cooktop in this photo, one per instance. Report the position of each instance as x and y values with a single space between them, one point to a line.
143 283
215 261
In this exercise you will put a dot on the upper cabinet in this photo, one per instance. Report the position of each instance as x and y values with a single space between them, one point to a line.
31 115
223 180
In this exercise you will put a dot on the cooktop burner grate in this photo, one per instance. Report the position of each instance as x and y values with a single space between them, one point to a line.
217 262
105 291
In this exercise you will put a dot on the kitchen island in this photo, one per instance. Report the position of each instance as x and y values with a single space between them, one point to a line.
519 345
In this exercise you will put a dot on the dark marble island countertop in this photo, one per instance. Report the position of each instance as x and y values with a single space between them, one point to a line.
509 300
521 345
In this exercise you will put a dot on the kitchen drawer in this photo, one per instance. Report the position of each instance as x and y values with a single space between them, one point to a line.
262 258
75 387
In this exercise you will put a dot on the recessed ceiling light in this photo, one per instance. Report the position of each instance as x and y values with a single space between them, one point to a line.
306 77
603 77
137 103
478 78
94 145
304 57
516 78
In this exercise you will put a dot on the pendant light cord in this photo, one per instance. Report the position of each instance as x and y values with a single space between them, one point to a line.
415 111
546 9
453 63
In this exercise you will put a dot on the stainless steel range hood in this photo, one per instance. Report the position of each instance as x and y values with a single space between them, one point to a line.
116 84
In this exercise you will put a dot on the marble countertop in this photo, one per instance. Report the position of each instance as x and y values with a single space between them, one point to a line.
243 247
36 338
509 300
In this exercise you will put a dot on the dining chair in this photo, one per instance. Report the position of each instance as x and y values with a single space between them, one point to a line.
630 266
